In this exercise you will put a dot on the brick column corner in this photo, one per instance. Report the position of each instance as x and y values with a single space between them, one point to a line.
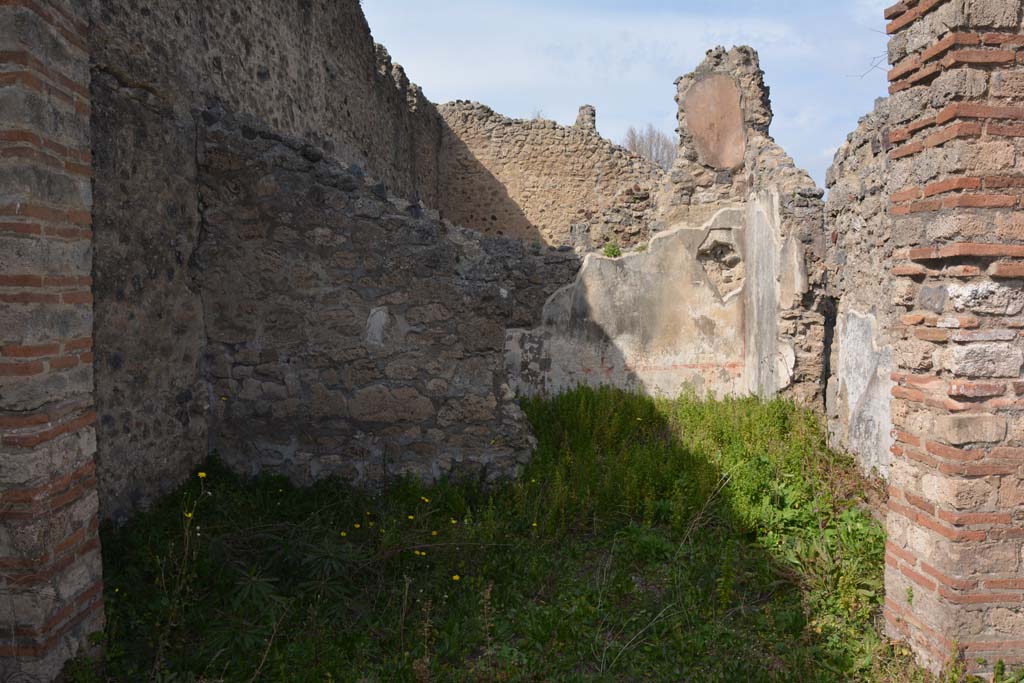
50 569
954 564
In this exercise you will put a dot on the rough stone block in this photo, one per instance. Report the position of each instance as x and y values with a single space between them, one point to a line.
965 429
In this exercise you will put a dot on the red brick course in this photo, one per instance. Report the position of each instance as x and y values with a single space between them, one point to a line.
51 431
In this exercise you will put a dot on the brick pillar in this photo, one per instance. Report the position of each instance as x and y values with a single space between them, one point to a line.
50 583
954 574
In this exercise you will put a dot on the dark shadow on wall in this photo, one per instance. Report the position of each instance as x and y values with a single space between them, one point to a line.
347 332
473 197
148 332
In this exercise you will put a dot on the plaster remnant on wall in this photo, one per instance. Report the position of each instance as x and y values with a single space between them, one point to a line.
714 118
376 323
863 391
651 321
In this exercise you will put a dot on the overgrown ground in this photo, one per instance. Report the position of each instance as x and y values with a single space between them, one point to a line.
648 541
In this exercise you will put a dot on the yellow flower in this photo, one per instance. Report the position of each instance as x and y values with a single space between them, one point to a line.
456 577
412 516
367 514
202 475
424 499
356 525
433 533
370 523
452 520
188 515
344 533
535 524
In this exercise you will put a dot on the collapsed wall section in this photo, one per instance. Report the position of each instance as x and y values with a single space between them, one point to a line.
351 333
308 69
726 297
940 214
537 180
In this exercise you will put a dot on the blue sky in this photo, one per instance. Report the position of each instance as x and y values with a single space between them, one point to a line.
524 56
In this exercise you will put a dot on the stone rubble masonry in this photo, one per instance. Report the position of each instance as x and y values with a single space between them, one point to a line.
50 569
308 69
537 180
860 245
352 333
954 181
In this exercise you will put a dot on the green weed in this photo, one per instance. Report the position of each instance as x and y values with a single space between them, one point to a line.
647 540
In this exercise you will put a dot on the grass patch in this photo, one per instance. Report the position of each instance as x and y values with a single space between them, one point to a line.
648 540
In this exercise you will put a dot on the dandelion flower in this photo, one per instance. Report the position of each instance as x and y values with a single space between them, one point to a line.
202 475
344 533
456 577
356 525
424 499
535 525
433 533
188 515
412 516
452 520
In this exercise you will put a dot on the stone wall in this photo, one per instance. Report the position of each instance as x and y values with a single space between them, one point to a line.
945 263
861 246
278 274
308 69
726 298
50 583
349 332
317 75
537 180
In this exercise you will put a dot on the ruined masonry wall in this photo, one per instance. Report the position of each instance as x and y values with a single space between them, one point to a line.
316 75
350 334
537 180
956 251
726 298
50 582
308 69
861 244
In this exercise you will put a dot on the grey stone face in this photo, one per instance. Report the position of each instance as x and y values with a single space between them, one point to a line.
350 333
933 299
